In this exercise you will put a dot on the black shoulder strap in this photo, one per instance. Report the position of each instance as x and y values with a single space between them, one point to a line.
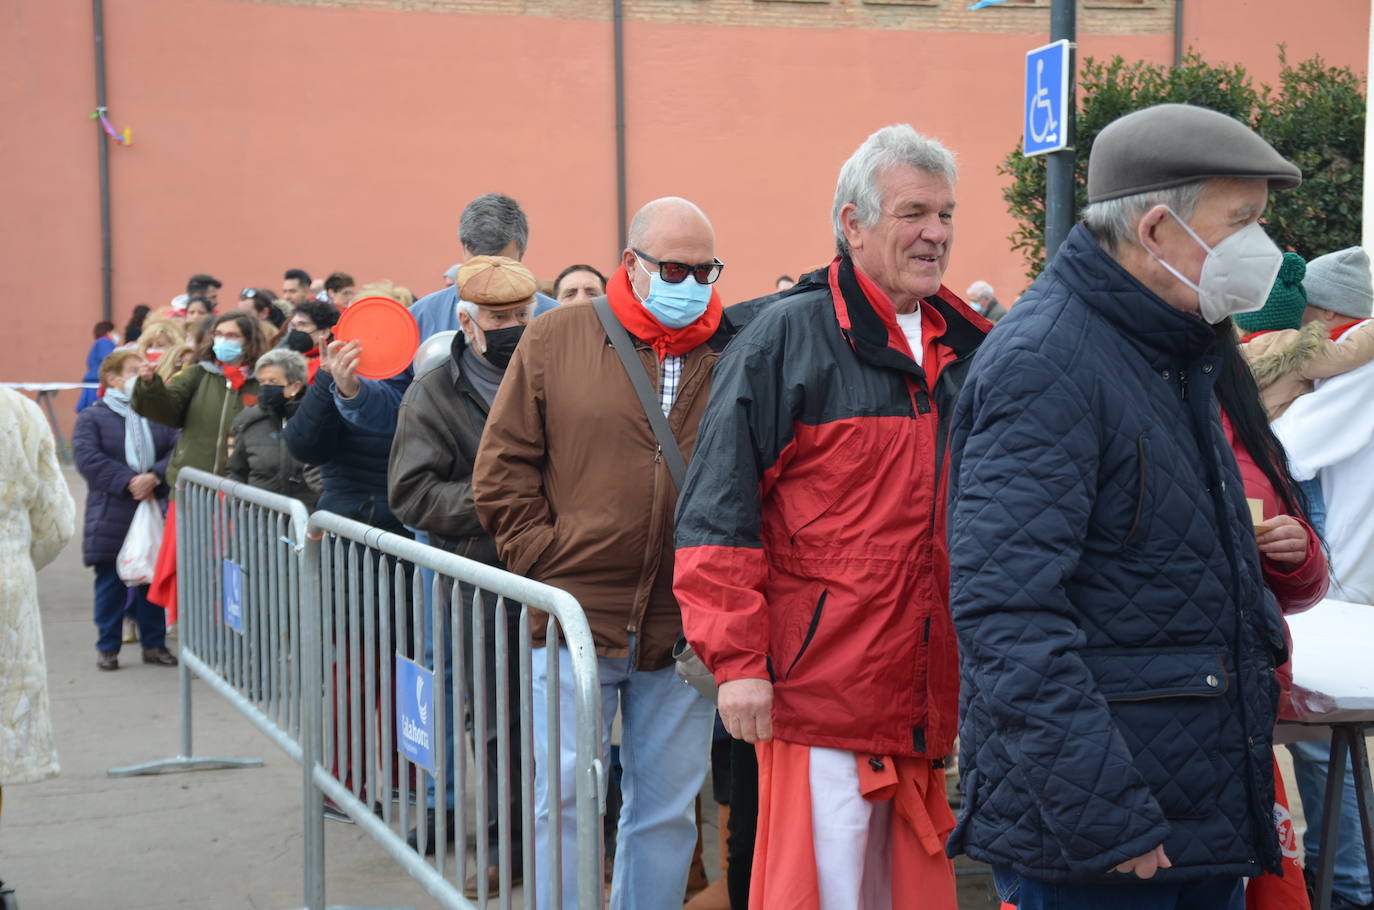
644 388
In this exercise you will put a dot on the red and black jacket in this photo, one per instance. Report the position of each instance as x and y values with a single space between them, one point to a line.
811 529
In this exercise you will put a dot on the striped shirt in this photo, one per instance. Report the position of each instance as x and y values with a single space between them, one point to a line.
672 378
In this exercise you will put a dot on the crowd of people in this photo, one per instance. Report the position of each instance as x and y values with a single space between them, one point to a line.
897 538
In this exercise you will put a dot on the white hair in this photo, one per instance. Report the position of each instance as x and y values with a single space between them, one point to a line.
1112 222
888 147
980 289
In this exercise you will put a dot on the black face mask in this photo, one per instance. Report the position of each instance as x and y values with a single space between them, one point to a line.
501 345
299 341
273 399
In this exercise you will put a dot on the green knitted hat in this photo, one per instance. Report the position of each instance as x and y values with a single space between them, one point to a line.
1287 300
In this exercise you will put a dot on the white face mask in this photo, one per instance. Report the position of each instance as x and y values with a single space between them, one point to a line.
1237 274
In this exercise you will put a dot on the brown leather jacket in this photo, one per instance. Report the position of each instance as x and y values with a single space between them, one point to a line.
429 478
570 480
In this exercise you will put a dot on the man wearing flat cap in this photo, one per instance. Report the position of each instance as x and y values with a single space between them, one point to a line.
1117 644
438 427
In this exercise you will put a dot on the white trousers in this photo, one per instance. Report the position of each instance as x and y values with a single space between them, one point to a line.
851 836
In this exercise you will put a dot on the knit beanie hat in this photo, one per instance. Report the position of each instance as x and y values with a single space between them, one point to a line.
1287 300
1340 282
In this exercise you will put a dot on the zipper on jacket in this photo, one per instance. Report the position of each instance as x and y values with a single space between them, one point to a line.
810 632
1183 384
219 437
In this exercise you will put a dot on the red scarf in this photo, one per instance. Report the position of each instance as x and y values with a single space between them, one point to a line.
640 323
1340 330
235 375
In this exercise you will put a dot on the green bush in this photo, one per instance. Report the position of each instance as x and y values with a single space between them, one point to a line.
1315 119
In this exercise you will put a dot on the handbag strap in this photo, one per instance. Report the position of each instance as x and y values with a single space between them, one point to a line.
644 388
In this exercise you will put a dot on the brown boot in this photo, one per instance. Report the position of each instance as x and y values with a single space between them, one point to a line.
716 896
696 875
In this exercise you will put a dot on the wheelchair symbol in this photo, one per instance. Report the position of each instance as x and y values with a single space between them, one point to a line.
1043 127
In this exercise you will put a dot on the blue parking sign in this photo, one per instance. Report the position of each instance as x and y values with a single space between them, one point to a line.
233 595
415 712
1049 74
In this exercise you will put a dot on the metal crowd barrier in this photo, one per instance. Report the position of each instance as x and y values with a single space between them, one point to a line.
386 709
314 628
238 583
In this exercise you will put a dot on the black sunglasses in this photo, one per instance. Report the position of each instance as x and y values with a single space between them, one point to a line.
677 272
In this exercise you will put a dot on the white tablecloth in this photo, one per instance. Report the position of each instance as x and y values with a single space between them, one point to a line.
1333 663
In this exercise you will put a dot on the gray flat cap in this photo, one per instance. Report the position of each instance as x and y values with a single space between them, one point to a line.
1172 144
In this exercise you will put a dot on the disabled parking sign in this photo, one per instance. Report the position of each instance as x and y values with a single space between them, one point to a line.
233 595
415 712
1049 74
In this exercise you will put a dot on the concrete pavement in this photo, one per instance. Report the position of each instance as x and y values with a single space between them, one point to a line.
212 840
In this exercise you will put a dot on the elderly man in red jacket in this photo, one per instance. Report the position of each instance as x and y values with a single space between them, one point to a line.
811 562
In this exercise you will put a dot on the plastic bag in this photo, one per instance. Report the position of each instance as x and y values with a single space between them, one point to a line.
138 556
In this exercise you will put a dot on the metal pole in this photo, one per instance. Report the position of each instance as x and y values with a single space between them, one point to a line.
1059 182
312 720
1178 33
106 261
618 20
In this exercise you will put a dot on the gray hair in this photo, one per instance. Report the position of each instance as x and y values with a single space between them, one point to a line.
467 306
1112 222
980 289
288 361
888 147
489 224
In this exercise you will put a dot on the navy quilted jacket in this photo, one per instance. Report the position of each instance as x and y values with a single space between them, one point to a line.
1117 646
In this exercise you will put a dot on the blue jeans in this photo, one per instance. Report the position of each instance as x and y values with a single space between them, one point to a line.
112 596
1351 879
665 747
1316 504
1207 894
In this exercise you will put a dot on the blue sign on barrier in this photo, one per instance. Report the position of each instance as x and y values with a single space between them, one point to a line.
415 712
1048 77
233 595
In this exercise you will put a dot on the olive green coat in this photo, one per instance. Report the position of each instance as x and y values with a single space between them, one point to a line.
201 403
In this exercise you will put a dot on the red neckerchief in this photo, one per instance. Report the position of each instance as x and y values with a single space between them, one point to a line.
640 323
1251 336
234 375
1340 330
312 365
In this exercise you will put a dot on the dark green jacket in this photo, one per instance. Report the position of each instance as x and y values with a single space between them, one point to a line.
199 401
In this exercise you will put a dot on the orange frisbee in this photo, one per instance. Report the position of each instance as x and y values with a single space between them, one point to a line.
387 331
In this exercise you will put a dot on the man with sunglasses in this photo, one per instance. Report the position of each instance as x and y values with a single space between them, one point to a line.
572 483
811 561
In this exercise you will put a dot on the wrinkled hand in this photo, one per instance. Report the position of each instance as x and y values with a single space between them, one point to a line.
1283 539
746 708
141 486
1147 864
342 363
146 370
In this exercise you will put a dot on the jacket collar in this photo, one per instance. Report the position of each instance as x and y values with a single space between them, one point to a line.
461 383
1133 309
871 327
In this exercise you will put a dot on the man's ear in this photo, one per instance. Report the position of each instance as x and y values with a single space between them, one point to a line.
1147 229
849 225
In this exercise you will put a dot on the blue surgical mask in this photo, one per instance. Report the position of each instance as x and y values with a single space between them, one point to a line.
674 305
227 350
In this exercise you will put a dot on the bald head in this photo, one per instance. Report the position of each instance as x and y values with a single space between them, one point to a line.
671 215
672 229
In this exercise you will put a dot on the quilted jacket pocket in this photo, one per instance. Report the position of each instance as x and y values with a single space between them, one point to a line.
1166 705
1142 482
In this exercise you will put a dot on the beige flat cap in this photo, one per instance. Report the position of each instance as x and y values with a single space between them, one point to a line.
496 282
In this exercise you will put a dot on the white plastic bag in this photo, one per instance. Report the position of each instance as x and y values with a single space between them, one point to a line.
137 558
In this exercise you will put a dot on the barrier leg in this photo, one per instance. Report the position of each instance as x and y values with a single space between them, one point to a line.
184 760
